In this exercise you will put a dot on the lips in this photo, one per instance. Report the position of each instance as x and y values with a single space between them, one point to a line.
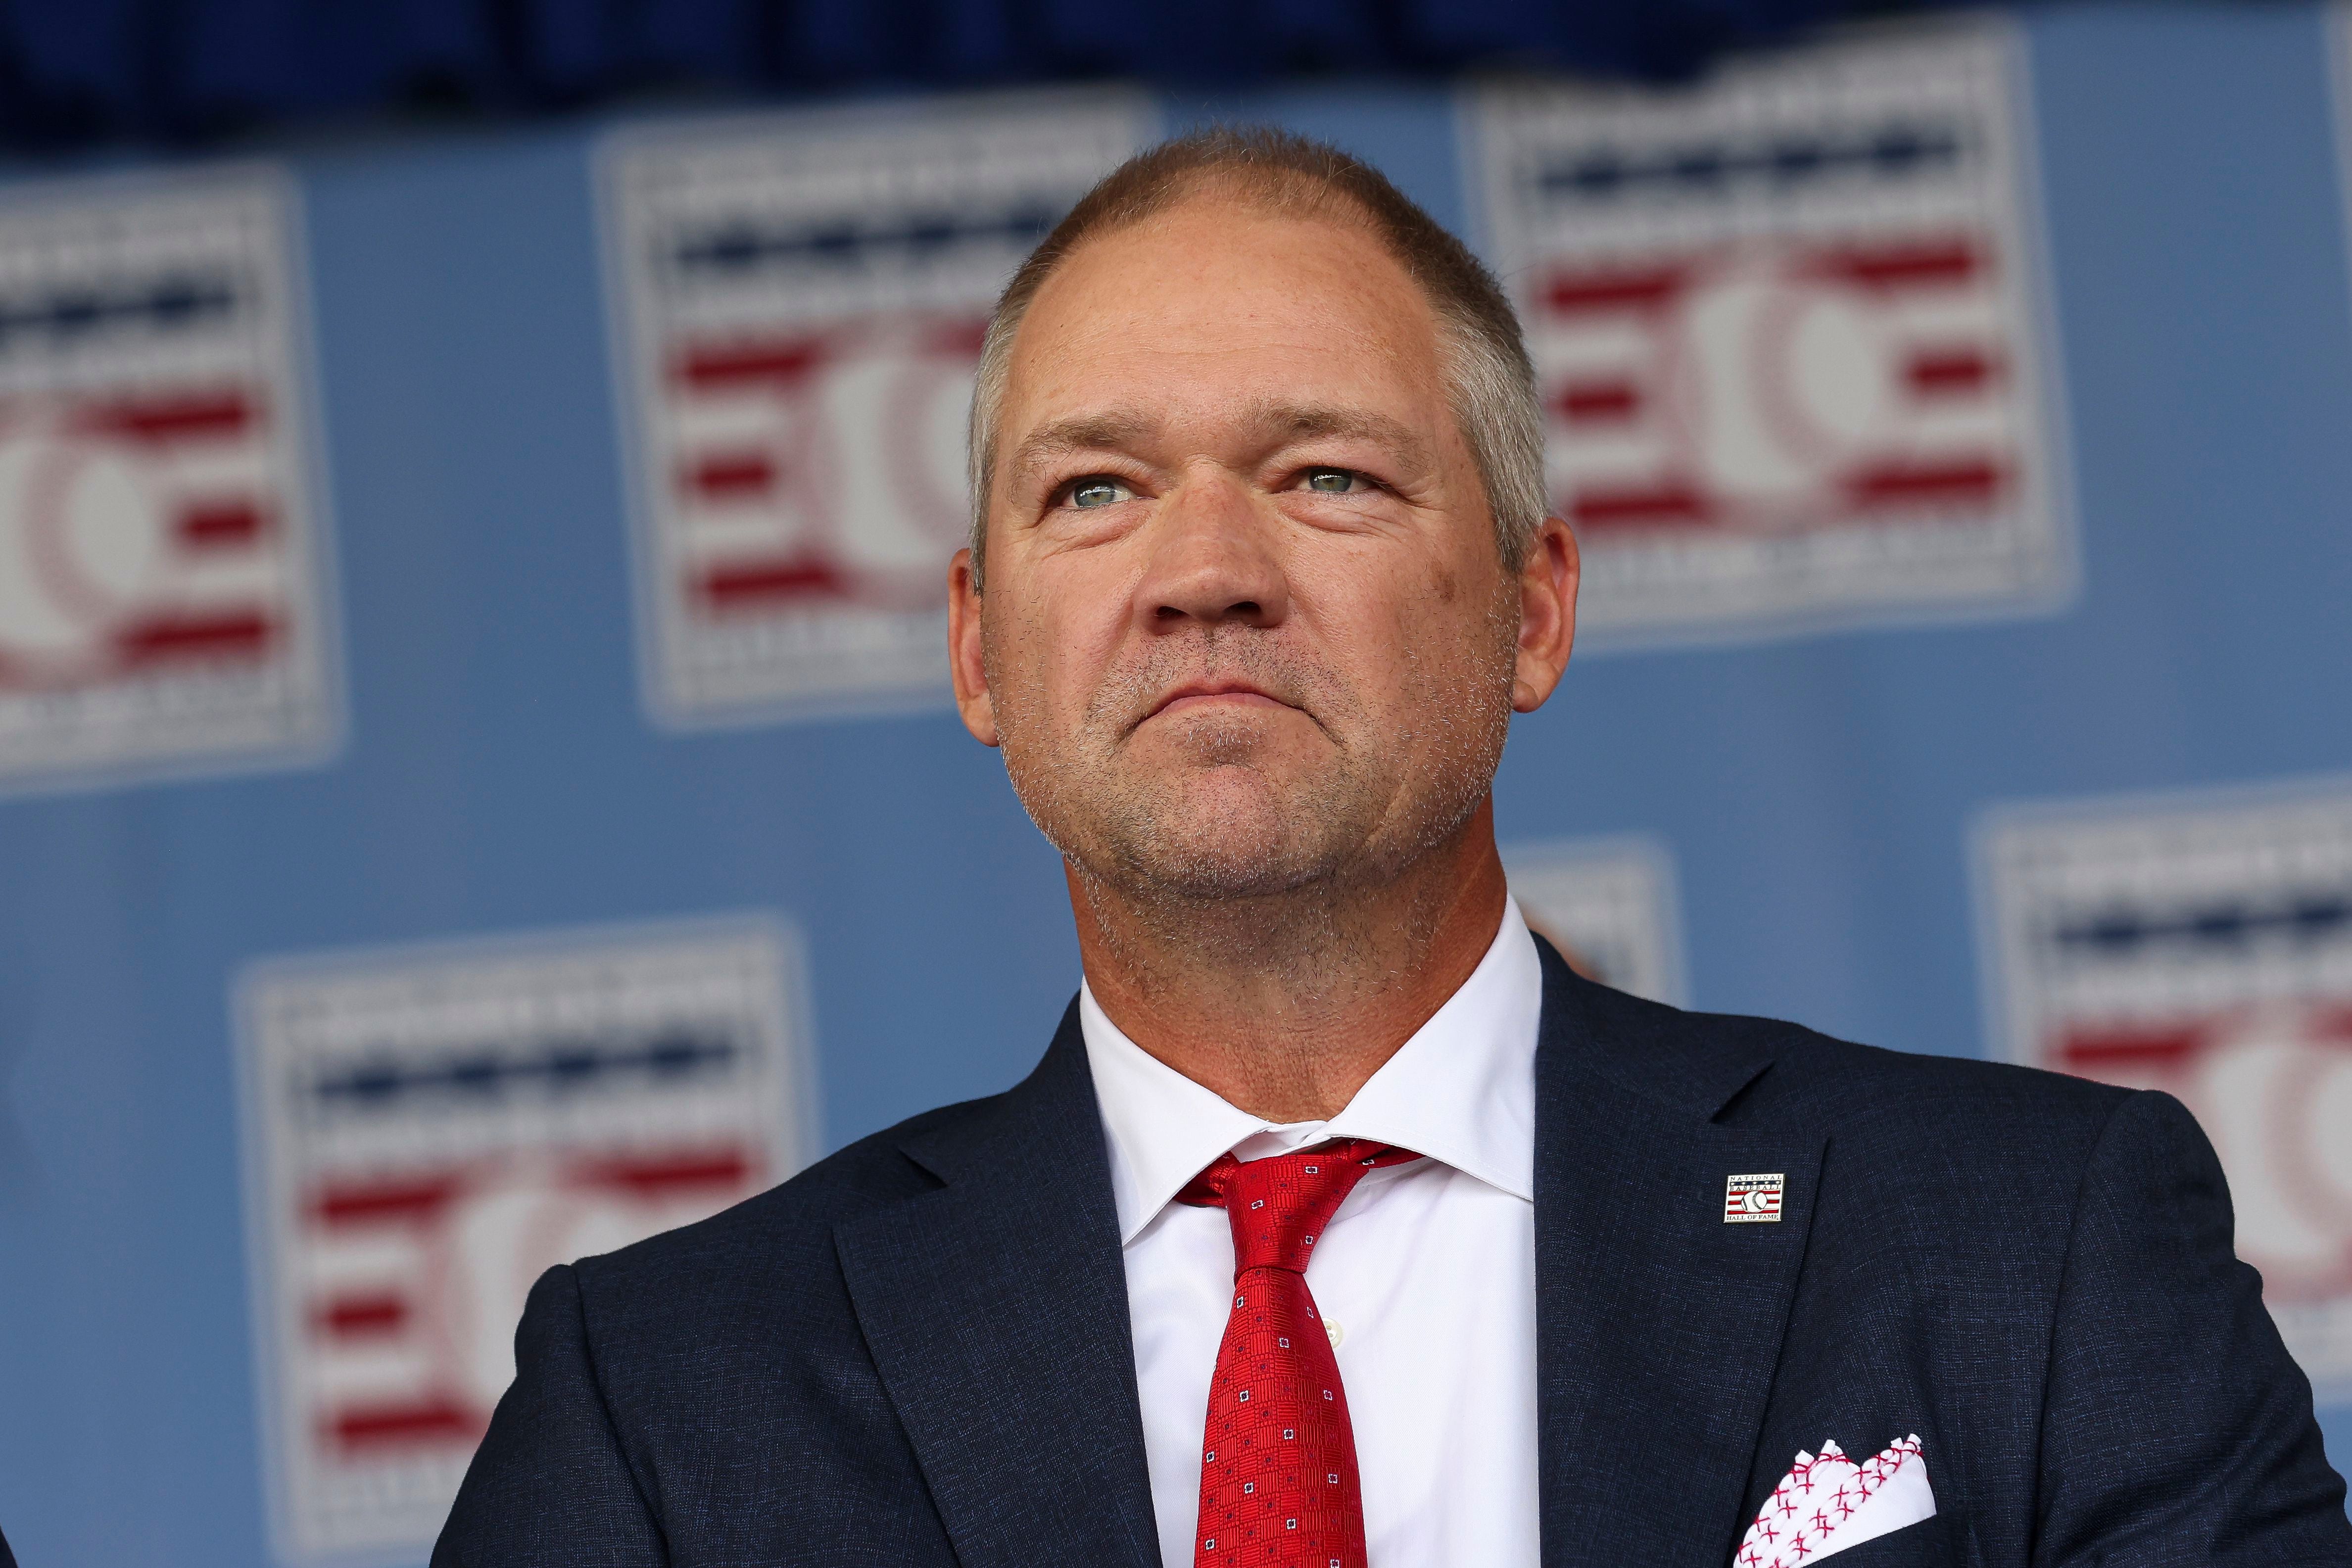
1202 693
1170 680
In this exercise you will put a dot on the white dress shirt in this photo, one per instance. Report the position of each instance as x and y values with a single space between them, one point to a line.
1426 1273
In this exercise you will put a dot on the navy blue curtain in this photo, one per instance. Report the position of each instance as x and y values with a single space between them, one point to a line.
76 73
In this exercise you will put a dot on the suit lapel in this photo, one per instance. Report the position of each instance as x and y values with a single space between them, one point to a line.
1659 1326
997 1312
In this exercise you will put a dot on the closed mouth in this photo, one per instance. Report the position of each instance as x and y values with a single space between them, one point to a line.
1202 694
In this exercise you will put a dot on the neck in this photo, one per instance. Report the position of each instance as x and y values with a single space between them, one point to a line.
1284 1004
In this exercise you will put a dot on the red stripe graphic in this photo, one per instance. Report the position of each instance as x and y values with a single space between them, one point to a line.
169 639
753 584
733 477
760 360
1950 372
197 416
1973 480
1931 264
435 1421
1596 402
2088 1050
384 1202
359 1317
1644 506
1629 288
221 525
2094 1049
661 1177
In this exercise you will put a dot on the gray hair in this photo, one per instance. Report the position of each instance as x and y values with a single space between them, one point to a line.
1490 384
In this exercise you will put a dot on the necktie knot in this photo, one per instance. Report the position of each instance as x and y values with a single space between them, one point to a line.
1279 1206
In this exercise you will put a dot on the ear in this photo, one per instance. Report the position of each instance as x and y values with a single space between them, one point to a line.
1546 615
965 663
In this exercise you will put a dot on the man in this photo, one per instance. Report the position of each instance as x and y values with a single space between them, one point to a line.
1342 1222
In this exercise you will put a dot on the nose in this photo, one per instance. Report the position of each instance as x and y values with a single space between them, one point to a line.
1215 560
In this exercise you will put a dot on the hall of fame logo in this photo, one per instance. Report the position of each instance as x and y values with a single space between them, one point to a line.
428 1130
799 306
1609 905
1790 335
161 606
2203 947
1754 1200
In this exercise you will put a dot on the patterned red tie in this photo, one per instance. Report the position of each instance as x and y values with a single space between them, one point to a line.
1278 1485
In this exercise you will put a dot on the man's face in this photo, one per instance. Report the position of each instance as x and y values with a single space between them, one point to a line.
1246 625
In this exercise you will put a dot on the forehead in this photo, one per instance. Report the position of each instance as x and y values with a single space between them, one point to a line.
1216 298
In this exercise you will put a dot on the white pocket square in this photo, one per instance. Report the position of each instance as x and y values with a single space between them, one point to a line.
1830 1503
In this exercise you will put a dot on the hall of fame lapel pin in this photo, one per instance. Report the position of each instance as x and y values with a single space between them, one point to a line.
1753 1199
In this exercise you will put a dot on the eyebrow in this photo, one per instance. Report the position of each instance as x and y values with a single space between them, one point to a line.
1281 423
1310 422
1081 432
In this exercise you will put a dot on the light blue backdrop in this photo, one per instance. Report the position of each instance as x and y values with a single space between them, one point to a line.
501 776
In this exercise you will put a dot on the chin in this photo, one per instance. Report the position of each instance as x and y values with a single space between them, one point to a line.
1224 841
1215 875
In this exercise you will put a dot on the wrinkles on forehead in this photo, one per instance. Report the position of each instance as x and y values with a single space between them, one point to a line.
1265 426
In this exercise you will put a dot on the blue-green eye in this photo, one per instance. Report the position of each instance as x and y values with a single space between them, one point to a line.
1099 493
1332 481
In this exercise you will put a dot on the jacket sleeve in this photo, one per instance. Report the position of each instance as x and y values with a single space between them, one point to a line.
2175 1430
550 1483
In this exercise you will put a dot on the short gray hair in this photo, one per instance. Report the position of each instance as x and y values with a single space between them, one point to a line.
1491 385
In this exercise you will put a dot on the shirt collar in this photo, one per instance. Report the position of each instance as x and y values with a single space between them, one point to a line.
1461 1090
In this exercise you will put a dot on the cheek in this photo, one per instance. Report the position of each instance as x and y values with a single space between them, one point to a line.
1049 638
1010 646
1431 645
1428 606
1383 633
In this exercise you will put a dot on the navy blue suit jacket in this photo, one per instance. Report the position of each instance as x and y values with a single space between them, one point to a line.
918 1352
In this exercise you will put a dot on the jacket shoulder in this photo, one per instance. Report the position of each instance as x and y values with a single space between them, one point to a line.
1841 1081
1771 1070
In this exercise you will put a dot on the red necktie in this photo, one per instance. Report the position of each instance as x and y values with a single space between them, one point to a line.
1279 1484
